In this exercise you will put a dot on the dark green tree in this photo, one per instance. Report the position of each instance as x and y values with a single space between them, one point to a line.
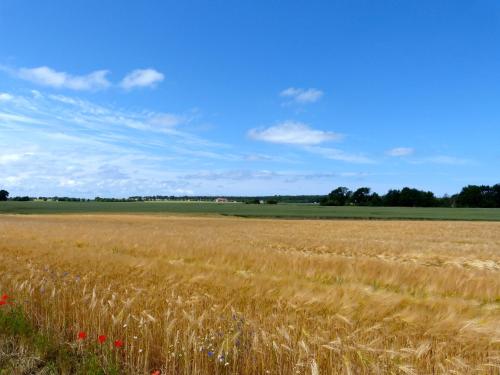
496 194
416 198
337 197
472 196
392 198
4 195
360 197
375 200
252 201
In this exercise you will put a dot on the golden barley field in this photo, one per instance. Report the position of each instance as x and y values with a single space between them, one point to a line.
208 295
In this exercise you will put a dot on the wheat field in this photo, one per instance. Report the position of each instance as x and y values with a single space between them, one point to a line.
203 295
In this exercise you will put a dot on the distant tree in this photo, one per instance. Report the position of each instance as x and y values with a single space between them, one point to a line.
409 197
337 197
472 196
479 196
446 201
272 201
22 199
360 197
253 201
416 198
496 195
375 200
4 195
392 198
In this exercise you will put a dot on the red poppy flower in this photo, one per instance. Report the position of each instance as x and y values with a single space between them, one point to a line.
118 343
156 372
2 302
5 296
101 339
82 335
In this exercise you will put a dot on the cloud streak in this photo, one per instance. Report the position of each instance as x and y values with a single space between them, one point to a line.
400 151
444 159
336 154
302 96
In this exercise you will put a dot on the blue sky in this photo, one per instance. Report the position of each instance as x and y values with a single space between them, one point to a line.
250 98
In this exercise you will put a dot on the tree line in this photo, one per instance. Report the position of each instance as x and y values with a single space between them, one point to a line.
469 196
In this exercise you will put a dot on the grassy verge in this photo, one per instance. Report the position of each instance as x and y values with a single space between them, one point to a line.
26 350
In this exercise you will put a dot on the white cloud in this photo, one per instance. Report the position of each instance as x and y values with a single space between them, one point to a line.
68 182
400 151
97 80
12 180
10 158
141 78
46 76
295 133
302 96
5 97
308 139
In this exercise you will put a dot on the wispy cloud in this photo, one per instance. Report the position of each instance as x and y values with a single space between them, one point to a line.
142 78
4 96
9 119
6 158
53 144
293 133
285 176
63 145
168 120
302 96
336 154
444 159
400 151
46 76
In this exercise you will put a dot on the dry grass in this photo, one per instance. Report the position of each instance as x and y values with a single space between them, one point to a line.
228 295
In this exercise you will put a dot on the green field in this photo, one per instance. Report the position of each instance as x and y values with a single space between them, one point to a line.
249 210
